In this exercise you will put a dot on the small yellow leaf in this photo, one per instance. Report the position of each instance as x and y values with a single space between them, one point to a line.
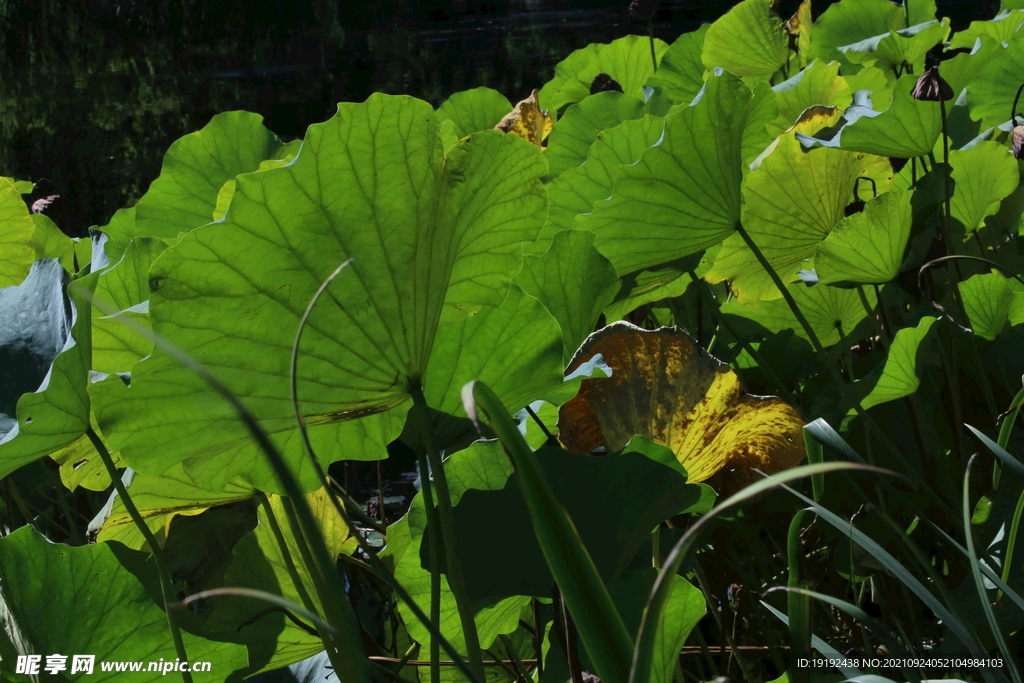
528 121
668 389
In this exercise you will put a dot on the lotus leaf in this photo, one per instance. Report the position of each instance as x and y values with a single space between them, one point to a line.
850 21
159 500
993 89
983 176
574 282
832 312
472 111
575 191
990 300
49 242
46 349
868 246
683 195
792 202
195 169
516 348
1002 28
645 286
908 128
581 125
627 60
16 231
819 83
663 386
448 232
680 73
110 591
749 40
904 48
900 374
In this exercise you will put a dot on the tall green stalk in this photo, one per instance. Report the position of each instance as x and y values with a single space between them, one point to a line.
442 513
166 585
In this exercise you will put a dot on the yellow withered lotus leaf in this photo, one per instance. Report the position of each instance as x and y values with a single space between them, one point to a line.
670 390
528 121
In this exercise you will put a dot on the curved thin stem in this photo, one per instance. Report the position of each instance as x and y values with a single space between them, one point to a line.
158 554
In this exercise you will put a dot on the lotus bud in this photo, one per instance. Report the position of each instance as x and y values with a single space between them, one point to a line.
1017 141
603 83
643 9
932 87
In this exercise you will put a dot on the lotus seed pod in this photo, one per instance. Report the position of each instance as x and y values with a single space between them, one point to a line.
932 87
603 83
1017 141
643 9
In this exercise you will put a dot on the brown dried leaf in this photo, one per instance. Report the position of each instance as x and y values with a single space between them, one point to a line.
673 392
528 121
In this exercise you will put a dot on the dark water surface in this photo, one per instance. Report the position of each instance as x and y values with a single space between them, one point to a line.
92 92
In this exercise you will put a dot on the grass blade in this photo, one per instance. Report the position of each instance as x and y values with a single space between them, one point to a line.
597 620
643 655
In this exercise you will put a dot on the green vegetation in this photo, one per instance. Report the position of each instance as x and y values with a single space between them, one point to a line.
836 224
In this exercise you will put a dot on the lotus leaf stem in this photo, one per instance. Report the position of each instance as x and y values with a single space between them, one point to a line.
158 554
445 540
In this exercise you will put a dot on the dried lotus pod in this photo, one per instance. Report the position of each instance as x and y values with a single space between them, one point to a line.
1017 141
643 9
932 87
603 83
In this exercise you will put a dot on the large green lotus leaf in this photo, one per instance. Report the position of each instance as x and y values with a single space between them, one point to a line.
159 500
895 48
868 246
16 227
49 242
614 502
125 285
515 348
645 286
792 202
1002 28
899 376
472 111
683 195
286 153
579 127
444 232
851 21
116 347
195 169
680 73
493 619
627 60
993 89
908 128
257 562
574 282
983 176
44 347
565 71
820 83
990 300
749 40
575 191
99 599
829 310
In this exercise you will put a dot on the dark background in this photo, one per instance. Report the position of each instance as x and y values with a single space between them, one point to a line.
92 92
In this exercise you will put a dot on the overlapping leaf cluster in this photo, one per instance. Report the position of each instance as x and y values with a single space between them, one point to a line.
773 187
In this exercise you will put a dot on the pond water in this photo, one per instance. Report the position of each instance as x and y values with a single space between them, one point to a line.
92 92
